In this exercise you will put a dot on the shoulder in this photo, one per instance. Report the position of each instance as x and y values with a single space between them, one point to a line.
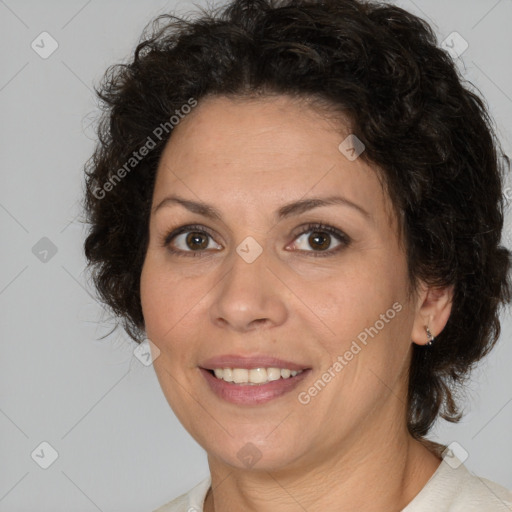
453 488
480 494
192 501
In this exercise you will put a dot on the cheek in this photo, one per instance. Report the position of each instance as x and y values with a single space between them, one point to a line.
367 306
170 306
160 303
150 297
350 301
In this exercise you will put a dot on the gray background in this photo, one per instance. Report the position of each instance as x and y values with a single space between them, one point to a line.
119 445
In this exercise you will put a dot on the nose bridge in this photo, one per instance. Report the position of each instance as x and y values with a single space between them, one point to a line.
248 293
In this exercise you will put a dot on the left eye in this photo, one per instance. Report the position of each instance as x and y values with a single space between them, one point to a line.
320 239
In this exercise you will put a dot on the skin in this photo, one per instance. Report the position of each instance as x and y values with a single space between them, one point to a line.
348 448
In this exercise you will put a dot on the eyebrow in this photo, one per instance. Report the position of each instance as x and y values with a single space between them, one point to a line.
295 208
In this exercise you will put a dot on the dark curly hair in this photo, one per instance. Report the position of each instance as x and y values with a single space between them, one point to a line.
430 137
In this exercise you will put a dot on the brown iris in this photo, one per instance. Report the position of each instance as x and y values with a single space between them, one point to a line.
319 240
194 238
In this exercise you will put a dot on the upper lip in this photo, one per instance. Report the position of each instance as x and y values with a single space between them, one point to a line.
249 362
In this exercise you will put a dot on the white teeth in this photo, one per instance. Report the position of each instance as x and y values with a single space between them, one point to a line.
254 375
257 375
273 373
240 375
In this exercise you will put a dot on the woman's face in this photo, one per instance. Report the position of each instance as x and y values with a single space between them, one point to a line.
251 282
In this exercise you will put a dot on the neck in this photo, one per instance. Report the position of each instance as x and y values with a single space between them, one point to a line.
374 477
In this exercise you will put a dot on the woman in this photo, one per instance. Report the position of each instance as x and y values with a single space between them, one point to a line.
300 205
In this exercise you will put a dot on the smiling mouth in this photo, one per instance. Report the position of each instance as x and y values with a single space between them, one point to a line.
247 393
253 376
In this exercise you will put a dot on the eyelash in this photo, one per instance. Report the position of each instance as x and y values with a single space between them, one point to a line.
322 228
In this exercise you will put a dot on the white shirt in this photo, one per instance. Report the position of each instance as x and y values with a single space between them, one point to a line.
452 488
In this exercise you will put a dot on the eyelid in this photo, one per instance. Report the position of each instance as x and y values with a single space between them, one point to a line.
320 226
174 232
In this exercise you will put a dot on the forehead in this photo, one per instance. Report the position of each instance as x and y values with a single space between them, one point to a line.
269 150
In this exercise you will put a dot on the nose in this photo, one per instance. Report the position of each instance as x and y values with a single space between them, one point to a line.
249 296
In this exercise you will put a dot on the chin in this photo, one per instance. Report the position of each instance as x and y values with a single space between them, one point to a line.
254 454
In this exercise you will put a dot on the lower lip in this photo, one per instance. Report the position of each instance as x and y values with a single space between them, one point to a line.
249 394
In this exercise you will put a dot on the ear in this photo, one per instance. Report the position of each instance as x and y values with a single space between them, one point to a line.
434 306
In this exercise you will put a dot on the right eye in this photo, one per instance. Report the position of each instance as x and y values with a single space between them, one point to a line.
189 241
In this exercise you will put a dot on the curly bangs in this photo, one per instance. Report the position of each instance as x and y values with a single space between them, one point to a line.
423 127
